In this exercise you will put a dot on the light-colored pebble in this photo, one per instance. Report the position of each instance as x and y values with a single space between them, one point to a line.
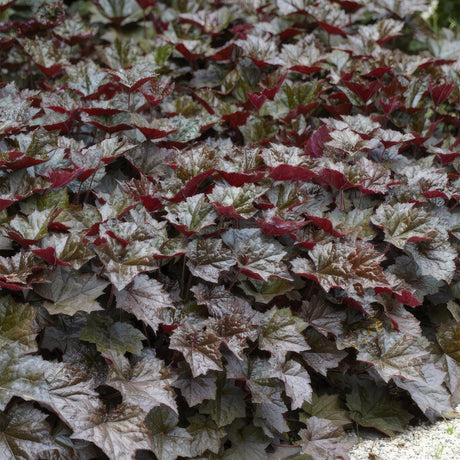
424 442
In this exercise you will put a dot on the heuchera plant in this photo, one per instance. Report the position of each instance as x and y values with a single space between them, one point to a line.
226 226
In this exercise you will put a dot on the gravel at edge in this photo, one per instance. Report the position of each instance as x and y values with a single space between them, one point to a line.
424 442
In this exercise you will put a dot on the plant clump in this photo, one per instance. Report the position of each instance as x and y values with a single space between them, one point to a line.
225 226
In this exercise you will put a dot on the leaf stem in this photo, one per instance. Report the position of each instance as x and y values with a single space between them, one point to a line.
234 279
109 302
285 445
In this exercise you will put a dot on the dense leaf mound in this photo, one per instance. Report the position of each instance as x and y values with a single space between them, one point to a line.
225 226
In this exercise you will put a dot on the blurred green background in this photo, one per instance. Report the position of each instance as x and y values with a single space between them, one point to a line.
446 14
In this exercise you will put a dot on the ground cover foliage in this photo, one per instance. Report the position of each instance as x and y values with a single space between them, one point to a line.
225 226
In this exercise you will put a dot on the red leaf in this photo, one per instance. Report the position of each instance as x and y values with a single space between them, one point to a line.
390 106
257 99
326 225
226 211
237 179
364 92
100 111
354 304
349 6
186 53
144 4
60 178
287 172
270 93
16 162
405 297
49 255
378 72
275 225
301 109
190 187
50 71
436 63
6 5
381 41
334 178
339 109
111 129
5 203
447 157
306 70
223 54
330 29
151 203
440 93
152 133
13 286
315 145
288 33
236 119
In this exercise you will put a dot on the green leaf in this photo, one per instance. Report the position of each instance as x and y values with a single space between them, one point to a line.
280 332
121 11
221 302
208 259
140 73
117 202
33 227
68 248
393 354
109 335
258 256
324 316
85 76
403 222
297 383
97 155
146 384
227 406
168 440
16 326
44 54
436 256
146 299
431 396
370 406
206 435
326 407
20 375
265 292
200 349
24 433
448 337
236 200
68 291
123 264
233 331
270 416
85 357
330 265
195 389
16 269
343 265
323 354
263 377
192 215
71 393
118 433
248 443
322 439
